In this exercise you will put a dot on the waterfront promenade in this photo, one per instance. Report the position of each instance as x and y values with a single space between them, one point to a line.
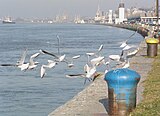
93 100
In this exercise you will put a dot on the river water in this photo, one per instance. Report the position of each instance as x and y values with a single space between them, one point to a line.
24 93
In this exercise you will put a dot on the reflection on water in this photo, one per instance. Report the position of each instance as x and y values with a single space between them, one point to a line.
24 93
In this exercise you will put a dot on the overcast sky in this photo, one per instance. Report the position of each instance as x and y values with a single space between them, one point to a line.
50 8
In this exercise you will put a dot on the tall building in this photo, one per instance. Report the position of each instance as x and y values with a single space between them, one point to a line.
121 14
110 17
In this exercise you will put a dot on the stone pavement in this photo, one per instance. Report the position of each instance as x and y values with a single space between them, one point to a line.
93 100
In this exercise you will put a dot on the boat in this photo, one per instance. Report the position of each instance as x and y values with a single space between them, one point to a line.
8 20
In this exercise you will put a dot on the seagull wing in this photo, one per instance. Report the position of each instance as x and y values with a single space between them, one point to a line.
90 54
35 55
46 52
126 65
86 68
61 58
76 57
123 44
42 71
24 66
114 57
8 65
131 54
96 61
31 62
127 47
75 75
91 72
22 58
100 48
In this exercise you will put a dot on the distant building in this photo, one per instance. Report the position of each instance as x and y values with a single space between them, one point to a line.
100 16
150 20
121 14
78 20
110 17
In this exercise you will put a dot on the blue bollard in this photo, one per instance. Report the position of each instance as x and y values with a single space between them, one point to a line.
122 87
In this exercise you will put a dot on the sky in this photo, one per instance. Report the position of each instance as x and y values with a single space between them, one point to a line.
51 8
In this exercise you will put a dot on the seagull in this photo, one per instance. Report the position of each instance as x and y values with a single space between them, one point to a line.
57 58
33 64
126 64
100 48
97 61
71 64
20 63
125 42
95 53
88 56
115 57
127 47
107 67
51 64
133 53
43 70
89 72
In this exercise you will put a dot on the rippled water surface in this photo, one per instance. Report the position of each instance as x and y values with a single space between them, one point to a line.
24 93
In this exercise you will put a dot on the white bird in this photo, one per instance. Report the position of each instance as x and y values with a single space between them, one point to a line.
114 57
57 58
127 47
133 53
71 64
97 61
107 67
123 44
126 64
51 64
90 54
20 63
23 66
33 64
89 73
95 53
22 58
61 58
43 71
100 48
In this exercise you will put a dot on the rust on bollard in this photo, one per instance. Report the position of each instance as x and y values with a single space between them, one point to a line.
152 47
122 87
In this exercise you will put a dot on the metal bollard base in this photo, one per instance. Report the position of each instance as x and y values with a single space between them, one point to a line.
152 49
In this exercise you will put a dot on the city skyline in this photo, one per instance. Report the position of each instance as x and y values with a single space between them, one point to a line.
51 8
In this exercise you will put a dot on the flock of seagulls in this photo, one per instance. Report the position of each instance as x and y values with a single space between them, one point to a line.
94 60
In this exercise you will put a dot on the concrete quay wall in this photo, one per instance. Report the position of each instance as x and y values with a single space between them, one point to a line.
93 100
141 30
